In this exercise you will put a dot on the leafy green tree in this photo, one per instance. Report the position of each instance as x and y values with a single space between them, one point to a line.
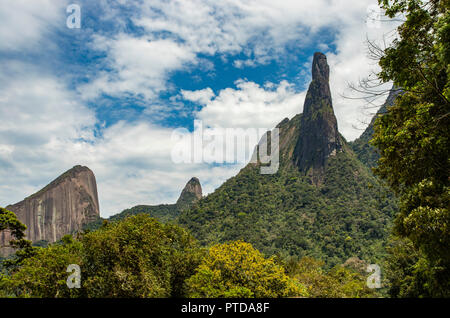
135 257
9 221
410 274
45 273
413 136
236 269
24 249
138 257
338 282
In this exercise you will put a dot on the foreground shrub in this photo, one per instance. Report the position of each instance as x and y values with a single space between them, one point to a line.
237 269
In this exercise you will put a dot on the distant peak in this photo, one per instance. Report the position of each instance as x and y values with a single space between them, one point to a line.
320 68
79 168
191 193
194 180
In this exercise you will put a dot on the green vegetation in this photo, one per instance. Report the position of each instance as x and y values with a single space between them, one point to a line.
338 282
140 257
137 257
238 270
43 274
413 139
9 222
164 213
348 215
319 231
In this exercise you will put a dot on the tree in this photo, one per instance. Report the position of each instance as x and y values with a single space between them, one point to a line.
10 222
236 269
410 273
45 273
135 257
338 282
413 136
138 257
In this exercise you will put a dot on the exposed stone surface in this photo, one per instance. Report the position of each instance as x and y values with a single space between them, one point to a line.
191 193
60 208
318 136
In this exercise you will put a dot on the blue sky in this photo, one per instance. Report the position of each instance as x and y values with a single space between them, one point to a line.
110 94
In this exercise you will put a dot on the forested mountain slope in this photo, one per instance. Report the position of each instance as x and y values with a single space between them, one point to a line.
322 202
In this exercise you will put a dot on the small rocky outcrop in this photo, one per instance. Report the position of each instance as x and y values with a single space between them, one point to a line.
191 193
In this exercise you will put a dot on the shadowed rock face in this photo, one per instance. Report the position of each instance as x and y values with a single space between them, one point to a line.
318 136
60 208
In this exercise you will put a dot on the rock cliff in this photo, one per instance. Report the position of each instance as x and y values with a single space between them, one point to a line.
60 208
319 137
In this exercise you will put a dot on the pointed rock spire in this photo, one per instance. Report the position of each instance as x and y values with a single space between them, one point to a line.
319 137
191 193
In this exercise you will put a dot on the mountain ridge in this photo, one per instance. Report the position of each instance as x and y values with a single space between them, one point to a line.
191 193
327 205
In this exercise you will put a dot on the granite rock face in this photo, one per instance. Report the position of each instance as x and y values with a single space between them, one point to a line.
319 137
60 208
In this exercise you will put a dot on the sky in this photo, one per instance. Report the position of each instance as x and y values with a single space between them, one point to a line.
110 94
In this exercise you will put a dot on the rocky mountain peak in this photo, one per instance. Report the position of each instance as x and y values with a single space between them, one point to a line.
191 193
62 207
320 68
319 137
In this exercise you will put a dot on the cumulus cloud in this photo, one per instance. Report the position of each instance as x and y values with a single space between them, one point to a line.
38 114
138 65
25 24
248 105
45 131
177 32
202 96
47 127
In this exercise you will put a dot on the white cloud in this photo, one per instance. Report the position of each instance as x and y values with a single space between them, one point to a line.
25 24
133 166
202 96
40 137
139 66
249 105
351 64
176 32
38 114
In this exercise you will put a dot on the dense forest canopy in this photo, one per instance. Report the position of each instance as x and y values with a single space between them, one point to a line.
413 140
